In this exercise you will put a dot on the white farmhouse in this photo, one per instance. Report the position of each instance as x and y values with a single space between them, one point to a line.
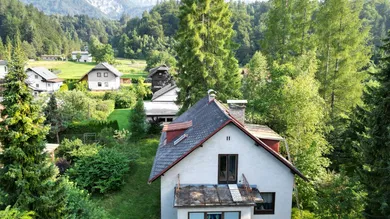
212 166
103 77
3 69
85 56
40 79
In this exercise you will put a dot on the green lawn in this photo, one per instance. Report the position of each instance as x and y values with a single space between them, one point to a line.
122 116
75 70
137 199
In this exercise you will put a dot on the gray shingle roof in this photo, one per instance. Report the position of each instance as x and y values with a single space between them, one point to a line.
44 73
106 66
159 68
207 118
163 91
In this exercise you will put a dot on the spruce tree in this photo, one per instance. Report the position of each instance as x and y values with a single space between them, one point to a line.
138 120
27 179
204 51
53 117
374 144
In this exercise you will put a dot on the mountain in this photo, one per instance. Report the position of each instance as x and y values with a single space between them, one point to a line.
94 8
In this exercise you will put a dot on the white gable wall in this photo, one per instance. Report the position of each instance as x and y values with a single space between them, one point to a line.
112 80
257 164
83 58
3 71
32 81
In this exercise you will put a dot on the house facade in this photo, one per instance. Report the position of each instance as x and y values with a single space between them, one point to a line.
213 167
52 58
103 77
159 77
3 69
162 107
85 56
40 79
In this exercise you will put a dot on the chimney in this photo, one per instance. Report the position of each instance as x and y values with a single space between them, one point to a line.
211 94
237 109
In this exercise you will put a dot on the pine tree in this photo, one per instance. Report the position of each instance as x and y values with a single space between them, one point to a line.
28 180
343 52
2 50
374 144
138 120
53 117
204 51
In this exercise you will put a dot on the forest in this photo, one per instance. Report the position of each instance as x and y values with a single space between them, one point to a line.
316 72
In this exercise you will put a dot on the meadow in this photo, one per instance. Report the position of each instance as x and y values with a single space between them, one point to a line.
75 70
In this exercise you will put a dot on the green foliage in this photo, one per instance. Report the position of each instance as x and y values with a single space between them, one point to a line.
101 52
102 172
81 86
73 150
53 117
12 213
302 214
27 179
157 58
91 126
64 87
340 197
124 98
204 51
79 204
138 121
142 89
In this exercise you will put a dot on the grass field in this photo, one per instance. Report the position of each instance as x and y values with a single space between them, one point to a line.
75 70
122 116
136 199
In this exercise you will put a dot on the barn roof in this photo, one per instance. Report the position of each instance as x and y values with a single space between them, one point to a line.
208 117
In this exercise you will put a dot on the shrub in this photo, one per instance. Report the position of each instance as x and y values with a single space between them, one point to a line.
105 137
102 172
14 213
73 150
138 121
79 204
303 214
91 126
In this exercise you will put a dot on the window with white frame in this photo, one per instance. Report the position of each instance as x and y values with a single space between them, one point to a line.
105 74
99 84
36 76
99 74
106 84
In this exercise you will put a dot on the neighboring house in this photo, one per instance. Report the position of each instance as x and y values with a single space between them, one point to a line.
3 69
159 77
162 108
52 58
103 77
85 56
213 166
40 79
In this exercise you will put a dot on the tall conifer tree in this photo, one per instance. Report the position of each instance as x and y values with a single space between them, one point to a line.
204 51
28 180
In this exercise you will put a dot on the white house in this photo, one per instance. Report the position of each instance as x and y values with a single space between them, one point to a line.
163 108
85 56
40 79
103 77
213 167
3 69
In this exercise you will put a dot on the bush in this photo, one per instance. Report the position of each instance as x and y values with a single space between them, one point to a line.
105 137
124 98
303 214
14 213
72 150
137 120
91 126
79 204
102 172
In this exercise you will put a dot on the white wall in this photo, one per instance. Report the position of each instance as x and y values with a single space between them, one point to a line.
246 212
112 80
258 165
32 81
170 96
84 58
3 71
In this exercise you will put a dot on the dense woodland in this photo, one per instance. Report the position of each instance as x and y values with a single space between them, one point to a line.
318 73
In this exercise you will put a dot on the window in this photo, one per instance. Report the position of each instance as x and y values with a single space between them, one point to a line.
214 215
169 119
36 76
99 74
36 85
268 206
105 74
227 168
106 84
48 84
99 84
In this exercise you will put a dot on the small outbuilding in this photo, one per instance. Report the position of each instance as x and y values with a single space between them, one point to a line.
159 77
